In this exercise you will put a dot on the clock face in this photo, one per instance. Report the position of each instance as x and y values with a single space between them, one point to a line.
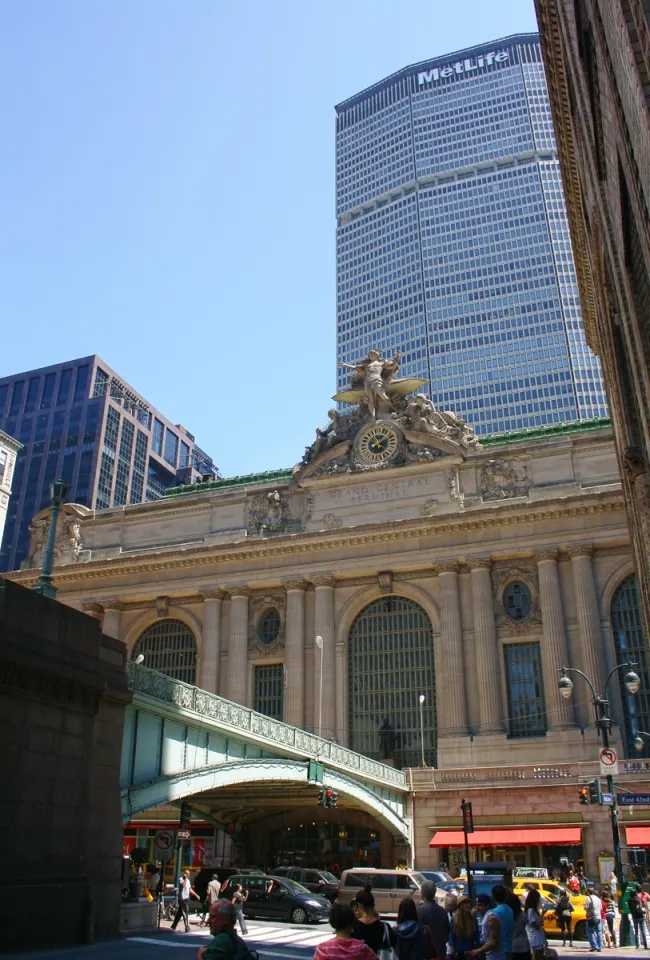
378 443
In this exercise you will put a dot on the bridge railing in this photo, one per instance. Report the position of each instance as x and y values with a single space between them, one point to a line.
210 706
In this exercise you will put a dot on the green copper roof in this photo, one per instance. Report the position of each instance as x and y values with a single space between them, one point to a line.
491 440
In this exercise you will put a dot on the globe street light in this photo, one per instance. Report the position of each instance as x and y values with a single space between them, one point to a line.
44 585
421 700
601 704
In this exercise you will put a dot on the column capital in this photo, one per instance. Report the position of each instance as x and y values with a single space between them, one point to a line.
445 566
580 550
297 584
92 608
213 593
547 555
479 563
110 603
239 590
327 580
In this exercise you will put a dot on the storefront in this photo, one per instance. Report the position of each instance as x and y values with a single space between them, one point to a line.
523 846
325 845
207 844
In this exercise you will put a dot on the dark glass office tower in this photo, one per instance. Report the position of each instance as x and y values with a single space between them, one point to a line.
453 243
80 422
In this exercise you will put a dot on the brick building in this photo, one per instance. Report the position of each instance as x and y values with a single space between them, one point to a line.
597 58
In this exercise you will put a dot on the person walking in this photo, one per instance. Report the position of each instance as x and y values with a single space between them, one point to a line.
343 946
239 898
563 911
368 927
432 915
411 940
464 935
184 893
506 916
490 926
535 925
637 909
583 882
607 917
593 909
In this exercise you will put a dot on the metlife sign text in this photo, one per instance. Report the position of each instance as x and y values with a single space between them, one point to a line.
462 67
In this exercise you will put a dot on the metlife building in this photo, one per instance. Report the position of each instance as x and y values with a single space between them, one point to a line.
453 243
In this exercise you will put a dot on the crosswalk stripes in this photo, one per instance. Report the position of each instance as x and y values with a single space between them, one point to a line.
289 934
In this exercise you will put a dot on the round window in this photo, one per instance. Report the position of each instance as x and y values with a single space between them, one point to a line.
269 627
517 600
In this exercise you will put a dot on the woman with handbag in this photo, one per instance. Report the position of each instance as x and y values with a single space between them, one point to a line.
464 935
377 934
563 911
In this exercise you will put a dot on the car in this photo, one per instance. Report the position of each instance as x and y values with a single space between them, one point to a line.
551 925
321 882
388 887
277 898
437 876
550 889
481 883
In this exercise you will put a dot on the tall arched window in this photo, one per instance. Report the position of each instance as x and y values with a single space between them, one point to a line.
631 645
169 646
390 664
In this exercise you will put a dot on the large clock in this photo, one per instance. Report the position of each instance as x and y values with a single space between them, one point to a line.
378 443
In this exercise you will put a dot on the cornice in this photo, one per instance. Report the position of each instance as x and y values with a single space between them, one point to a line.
496 516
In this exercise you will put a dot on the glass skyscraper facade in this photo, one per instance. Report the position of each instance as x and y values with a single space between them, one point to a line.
453 243
80 422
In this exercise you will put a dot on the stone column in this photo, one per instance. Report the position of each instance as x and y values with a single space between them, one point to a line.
211 646
488 663
554 646
238 644
294 653
324 627
591 643
450 671
112 615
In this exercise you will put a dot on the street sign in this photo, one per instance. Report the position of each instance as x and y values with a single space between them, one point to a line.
165 842
184 834
607 799
608 762
632 799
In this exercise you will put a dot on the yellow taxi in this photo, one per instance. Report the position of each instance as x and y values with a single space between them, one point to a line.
550 891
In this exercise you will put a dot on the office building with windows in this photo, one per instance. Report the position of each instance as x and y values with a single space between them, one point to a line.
8 451
453 241
79 421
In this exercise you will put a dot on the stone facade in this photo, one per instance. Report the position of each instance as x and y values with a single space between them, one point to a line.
8 450
597 57
450 533
62 707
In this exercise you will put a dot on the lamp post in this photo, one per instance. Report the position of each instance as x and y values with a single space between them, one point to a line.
422 699
319 644
638 742
603 725
44 585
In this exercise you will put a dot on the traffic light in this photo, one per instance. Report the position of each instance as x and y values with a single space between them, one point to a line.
595 792
186 814
328 798
583 794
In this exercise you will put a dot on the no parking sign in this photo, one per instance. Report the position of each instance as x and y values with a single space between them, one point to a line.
165 842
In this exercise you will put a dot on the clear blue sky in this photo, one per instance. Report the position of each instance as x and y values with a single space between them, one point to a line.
167 179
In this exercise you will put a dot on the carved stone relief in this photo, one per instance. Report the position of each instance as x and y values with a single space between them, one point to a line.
503 479
502 575
268 514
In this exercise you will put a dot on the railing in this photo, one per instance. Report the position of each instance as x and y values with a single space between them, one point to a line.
150 682
520 775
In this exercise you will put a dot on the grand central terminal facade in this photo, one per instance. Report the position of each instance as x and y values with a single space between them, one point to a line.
407 591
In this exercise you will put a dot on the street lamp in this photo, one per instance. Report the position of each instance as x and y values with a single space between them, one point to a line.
422 699
319 644
638 741
44 585
601 704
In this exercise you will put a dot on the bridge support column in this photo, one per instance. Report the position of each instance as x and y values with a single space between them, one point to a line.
325 692
238 645
211 646
294 654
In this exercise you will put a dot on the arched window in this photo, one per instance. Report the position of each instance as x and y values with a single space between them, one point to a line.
169 646
390 664
631 645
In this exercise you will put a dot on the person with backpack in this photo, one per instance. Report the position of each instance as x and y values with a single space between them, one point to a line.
593 909
637 909
225 944
563 911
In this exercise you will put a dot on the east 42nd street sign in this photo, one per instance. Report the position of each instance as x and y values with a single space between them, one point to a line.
631 799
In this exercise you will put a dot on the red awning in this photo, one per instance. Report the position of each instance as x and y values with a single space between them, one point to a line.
638 836
522 837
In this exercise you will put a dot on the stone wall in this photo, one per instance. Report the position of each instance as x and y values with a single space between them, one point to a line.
61 715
